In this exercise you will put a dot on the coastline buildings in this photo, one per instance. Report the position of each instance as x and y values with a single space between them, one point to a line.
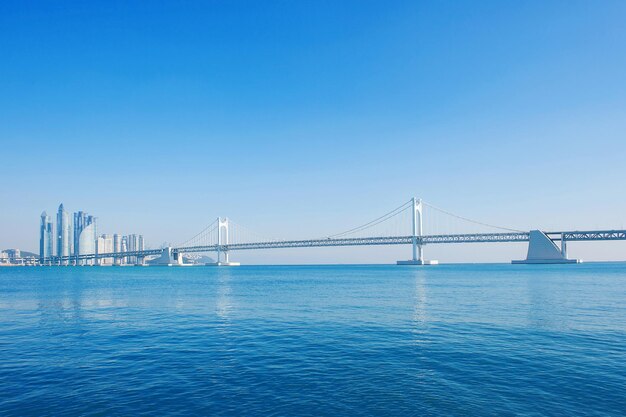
46 240
13 254
18 257
78 235
10 257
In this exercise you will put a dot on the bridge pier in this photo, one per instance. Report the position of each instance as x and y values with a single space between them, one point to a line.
226 262
169 258
542 250
418 247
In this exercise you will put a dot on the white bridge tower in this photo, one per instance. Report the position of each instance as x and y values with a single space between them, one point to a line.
222 241
416 235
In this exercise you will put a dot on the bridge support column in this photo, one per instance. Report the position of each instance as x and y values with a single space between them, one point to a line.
170 258
222 244
416 241
542 250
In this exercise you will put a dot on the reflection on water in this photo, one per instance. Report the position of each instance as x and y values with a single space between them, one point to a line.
544 306
420 314
224 302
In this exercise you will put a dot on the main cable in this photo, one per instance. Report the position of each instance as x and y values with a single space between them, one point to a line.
374 222
470 220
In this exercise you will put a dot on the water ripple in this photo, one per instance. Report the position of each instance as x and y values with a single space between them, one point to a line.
285 341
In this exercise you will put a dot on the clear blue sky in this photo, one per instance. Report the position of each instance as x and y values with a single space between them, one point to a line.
301 118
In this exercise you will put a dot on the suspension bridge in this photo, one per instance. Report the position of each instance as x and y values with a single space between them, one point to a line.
414 223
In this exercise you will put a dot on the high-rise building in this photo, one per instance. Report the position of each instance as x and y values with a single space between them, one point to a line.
81 221
87 241
134 243
117 242
117 246
84 234
63 233
140 246
104 244
46 237
125 249
132 246
92 220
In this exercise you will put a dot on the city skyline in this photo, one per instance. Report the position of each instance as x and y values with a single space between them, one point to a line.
81 237
301 119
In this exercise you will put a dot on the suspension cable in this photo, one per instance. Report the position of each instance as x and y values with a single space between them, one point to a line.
200 233
374 222
251 232
470 220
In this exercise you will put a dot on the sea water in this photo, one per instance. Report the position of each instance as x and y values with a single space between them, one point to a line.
314 340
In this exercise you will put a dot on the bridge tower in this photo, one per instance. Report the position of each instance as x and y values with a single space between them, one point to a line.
222 243
416 236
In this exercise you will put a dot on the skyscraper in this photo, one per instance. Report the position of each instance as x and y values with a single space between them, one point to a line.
63 232
117 246
134 243
46 237
80 219
140 247
125 260
84 234
87 241
132 246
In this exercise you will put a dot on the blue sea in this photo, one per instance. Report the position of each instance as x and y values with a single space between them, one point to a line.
461 340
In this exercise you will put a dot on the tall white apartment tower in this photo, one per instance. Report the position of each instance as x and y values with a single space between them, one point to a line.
63 232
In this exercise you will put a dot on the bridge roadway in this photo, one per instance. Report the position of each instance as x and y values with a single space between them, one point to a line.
569 236
362 241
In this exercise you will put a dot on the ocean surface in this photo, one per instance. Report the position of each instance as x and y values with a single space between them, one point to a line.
314 340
